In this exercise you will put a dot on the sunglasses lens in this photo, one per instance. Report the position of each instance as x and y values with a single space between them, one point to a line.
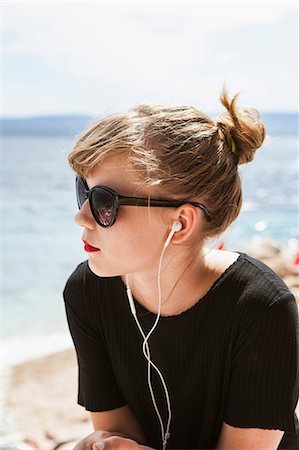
80 192
103 206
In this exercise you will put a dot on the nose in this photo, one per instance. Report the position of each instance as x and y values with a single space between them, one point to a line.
84 217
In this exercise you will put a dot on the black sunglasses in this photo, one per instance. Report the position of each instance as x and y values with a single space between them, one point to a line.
105 203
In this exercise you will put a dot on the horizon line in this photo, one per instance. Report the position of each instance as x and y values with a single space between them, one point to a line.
85 115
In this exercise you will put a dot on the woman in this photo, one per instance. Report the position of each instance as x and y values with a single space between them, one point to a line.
179 346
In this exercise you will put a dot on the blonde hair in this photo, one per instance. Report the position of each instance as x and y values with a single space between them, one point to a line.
180 150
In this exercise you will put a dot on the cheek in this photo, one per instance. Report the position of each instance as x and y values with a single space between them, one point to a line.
138 242
123 252
147 227
132 244
142 235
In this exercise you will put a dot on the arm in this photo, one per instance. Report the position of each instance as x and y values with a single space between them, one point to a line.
233 438
120 420
263 389
264 379
98 388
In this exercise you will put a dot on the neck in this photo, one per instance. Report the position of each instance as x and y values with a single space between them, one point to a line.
183 281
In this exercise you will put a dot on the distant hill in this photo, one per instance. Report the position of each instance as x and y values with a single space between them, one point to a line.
45 126
276 124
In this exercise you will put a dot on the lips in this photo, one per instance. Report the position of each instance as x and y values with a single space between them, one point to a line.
89 248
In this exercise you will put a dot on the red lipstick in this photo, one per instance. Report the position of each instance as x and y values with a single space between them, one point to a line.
89 248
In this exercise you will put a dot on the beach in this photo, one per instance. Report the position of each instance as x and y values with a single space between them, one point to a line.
43 391
42 399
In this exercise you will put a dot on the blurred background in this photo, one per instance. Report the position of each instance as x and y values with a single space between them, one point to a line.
66 64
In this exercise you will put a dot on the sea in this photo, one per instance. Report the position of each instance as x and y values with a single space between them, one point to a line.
41 244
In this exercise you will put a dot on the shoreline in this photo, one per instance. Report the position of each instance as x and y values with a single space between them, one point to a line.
21 349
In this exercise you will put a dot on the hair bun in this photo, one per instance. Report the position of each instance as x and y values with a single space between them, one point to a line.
243 124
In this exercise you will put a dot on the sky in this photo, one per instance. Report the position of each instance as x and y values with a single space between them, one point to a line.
98 58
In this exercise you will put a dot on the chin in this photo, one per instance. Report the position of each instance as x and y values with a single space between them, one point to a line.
99 272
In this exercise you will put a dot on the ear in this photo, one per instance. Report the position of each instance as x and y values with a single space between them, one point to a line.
191 218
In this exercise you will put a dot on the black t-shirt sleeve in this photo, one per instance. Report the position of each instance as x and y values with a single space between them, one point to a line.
98 389
263 390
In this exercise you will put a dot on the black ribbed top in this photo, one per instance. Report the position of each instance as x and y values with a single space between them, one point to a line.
233 356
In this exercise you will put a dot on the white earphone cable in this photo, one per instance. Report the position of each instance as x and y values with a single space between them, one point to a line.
146 351
145 343
147 355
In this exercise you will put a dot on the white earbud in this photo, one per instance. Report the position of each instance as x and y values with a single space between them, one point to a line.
176 226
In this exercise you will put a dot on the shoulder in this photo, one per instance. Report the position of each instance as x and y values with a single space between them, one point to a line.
247 275
249 285
78 272
262 283
77 278
82 276
257 294
84 284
